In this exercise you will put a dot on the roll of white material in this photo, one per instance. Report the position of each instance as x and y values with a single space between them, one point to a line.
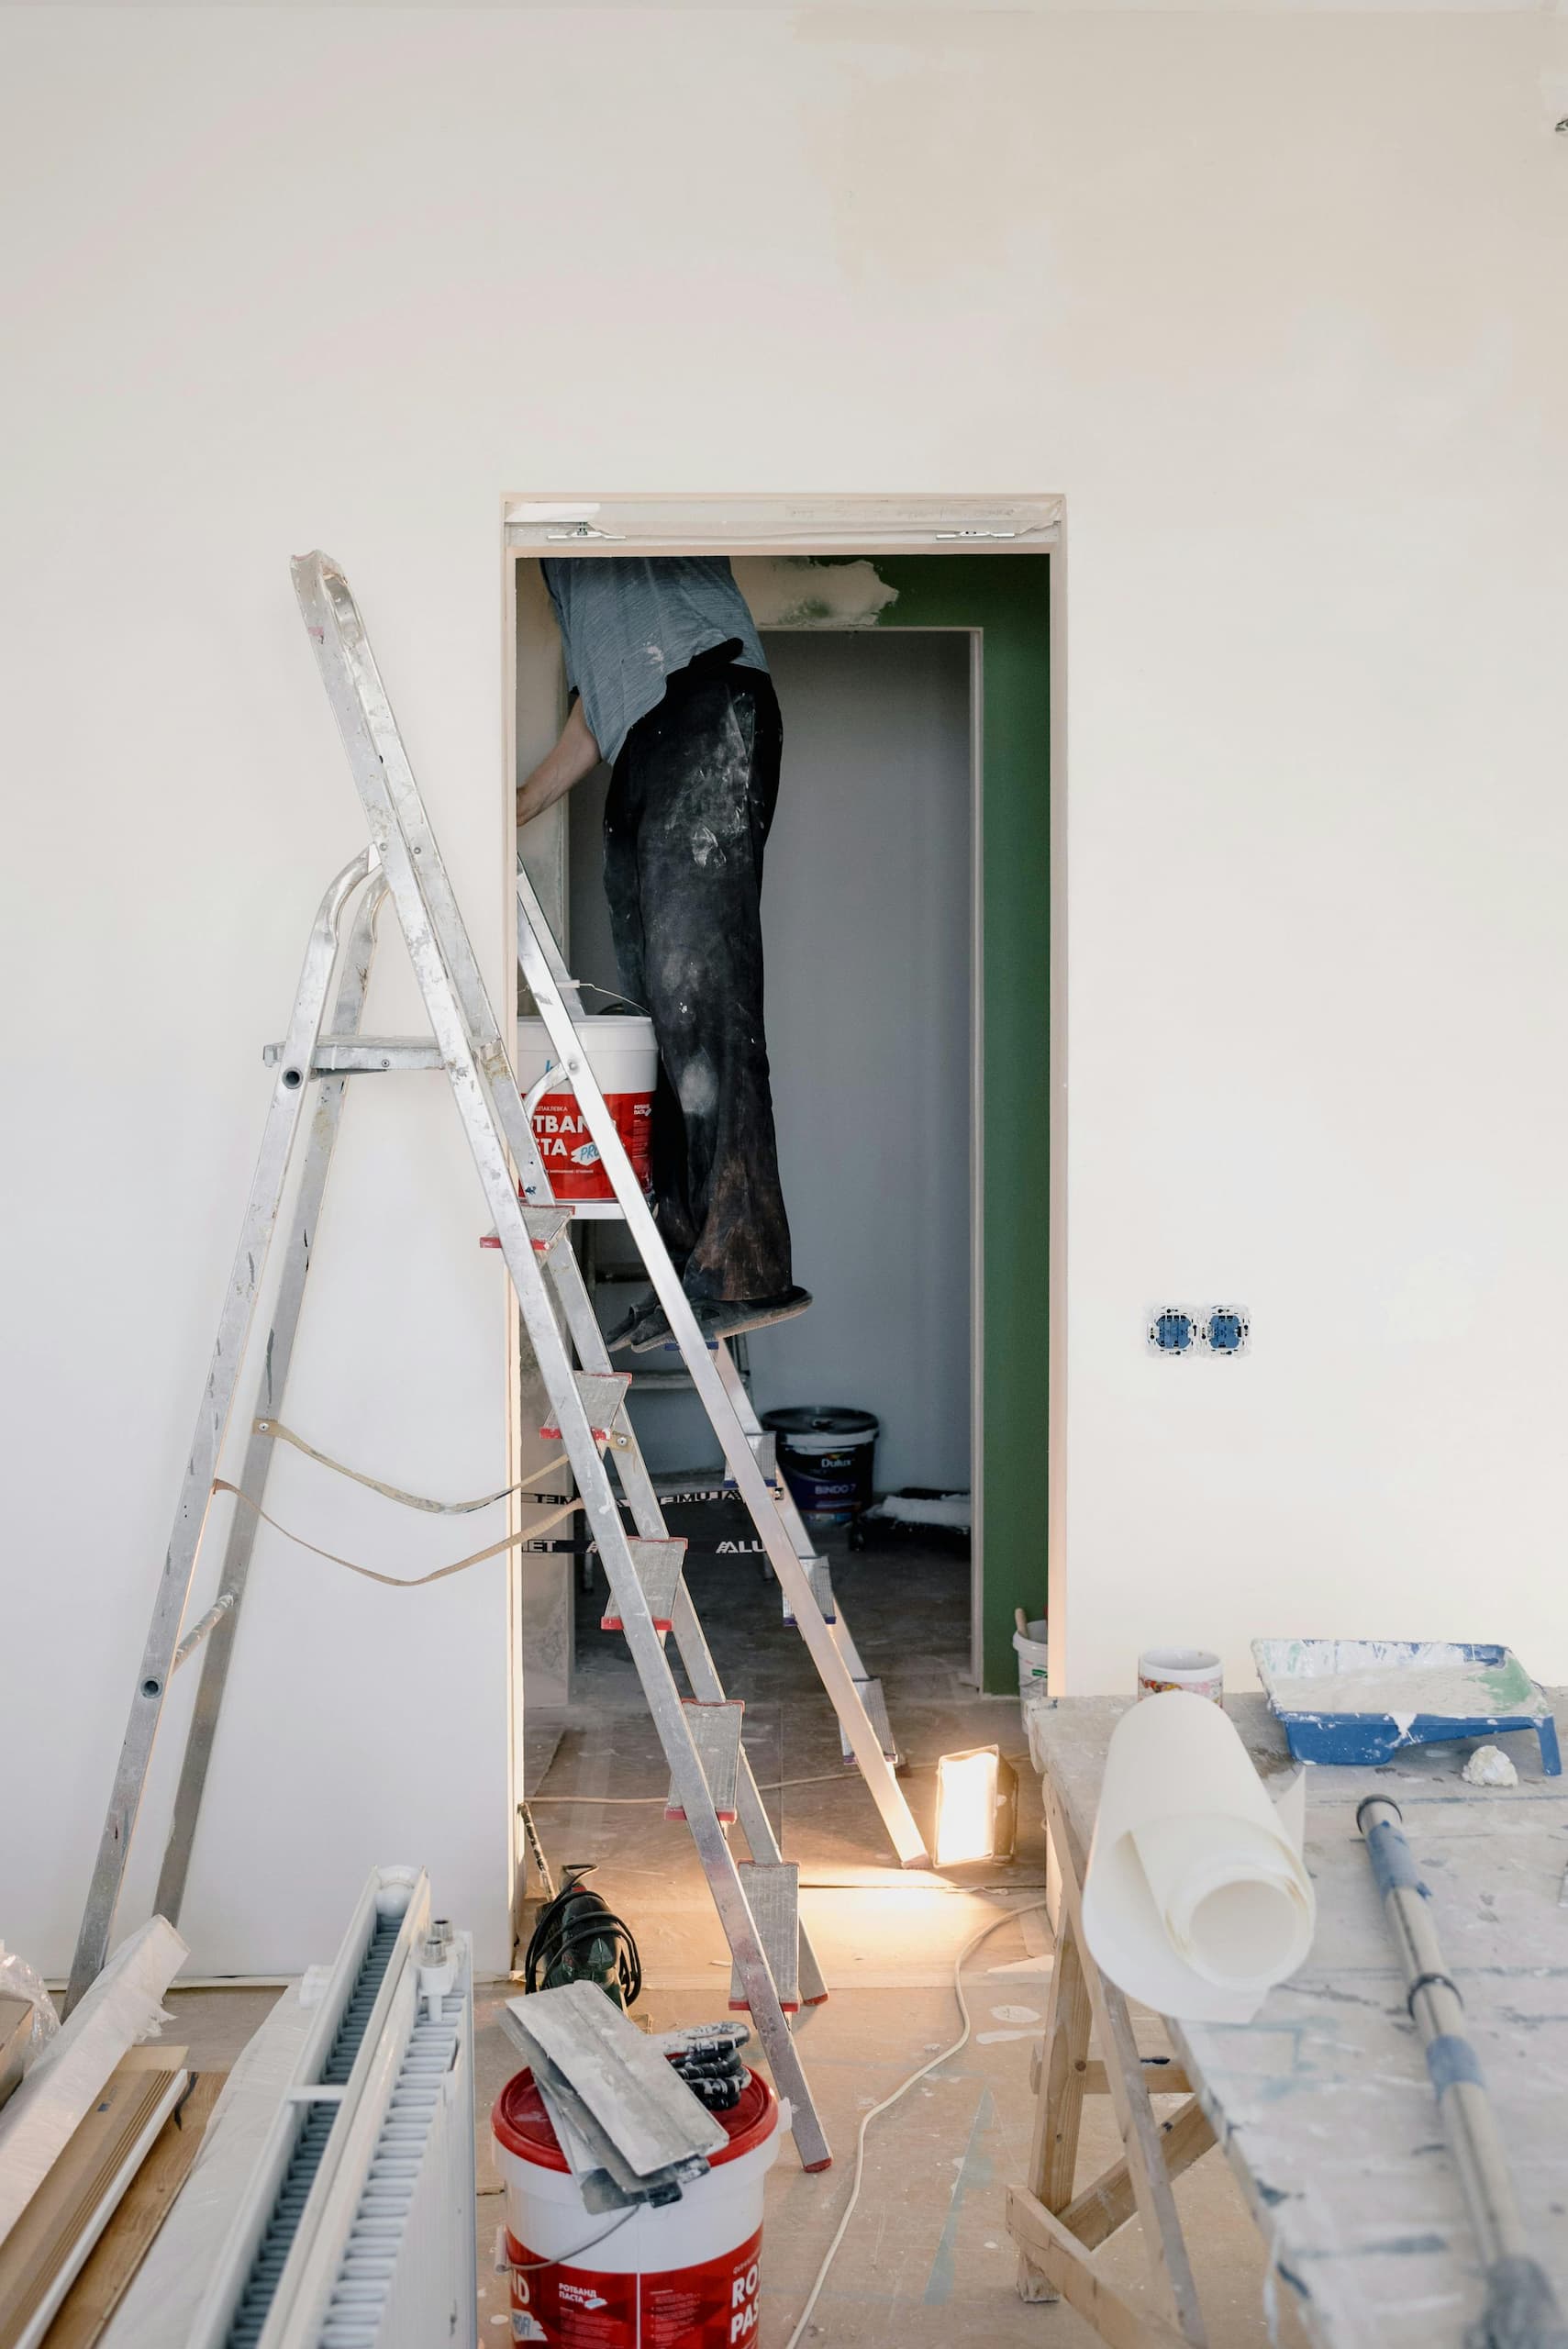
1196 1900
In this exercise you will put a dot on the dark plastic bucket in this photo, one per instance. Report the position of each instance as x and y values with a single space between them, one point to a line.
826 1451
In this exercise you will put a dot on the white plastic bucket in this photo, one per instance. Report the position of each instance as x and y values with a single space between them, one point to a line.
625 1059
1030 1647
1197 1670
681 2276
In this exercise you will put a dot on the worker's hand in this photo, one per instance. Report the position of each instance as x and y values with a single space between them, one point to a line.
576 755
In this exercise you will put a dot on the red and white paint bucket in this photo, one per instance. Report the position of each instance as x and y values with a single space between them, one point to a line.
625 1059
681 2276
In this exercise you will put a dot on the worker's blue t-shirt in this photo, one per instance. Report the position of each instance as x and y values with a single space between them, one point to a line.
629 622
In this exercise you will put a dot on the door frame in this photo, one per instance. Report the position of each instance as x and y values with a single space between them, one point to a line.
840 529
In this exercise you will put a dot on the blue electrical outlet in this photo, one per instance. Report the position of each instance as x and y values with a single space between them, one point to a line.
1225 1329
1173 1332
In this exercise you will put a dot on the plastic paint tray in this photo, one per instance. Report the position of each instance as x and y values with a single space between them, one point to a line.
1362 1700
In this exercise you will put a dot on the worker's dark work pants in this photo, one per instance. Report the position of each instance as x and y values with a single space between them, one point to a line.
691 801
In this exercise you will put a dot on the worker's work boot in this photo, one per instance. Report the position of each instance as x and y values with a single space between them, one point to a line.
717 1317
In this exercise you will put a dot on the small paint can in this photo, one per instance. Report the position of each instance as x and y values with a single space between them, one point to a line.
1194 1669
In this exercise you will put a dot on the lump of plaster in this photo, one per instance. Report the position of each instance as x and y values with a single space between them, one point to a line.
1490 1767
802 591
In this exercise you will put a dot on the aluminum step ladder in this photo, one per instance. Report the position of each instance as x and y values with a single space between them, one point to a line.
324 1048
719 1387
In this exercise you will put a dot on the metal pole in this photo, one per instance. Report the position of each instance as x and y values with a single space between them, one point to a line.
1521 2311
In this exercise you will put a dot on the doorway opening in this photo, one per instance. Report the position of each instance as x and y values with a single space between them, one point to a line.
907 925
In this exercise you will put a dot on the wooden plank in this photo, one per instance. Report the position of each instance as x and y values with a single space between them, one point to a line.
124 2243
1169 2266
62 2219
1110 2202
65 2085
1059 2097
1163 2075
1061 2076
1046 2243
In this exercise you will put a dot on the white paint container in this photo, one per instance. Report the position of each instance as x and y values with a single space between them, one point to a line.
682 2275
1196 1670
1029 1644
625 1059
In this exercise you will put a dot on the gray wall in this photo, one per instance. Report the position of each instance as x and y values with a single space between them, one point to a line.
866 911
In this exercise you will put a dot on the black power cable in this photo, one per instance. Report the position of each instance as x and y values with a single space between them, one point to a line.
578 1937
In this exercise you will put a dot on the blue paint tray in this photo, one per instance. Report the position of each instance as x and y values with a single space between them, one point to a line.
1362 1700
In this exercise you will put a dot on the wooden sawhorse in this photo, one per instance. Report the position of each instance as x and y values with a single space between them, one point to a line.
1057 2230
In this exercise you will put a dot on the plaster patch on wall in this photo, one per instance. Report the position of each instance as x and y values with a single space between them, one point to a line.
801 590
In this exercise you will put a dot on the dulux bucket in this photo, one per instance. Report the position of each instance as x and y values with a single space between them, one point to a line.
675 2276
625 1059
825 1451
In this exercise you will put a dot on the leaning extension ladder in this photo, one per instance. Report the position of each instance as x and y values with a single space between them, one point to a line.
775 1969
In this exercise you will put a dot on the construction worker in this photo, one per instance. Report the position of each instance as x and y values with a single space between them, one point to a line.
670 687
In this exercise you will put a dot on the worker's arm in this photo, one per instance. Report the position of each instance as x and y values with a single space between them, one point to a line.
576 755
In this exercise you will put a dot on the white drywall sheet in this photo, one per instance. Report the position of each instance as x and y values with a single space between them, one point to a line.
1270 298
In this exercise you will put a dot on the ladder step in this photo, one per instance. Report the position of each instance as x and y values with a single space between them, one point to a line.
715 1733
773 1894
602 1393
658 1567
820 1578
545 1228
875 1704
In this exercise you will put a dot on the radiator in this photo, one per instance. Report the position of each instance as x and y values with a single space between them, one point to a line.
355 2225
405 2274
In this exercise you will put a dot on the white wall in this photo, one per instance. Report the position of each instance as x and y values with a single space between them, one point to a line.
1275 301
866 917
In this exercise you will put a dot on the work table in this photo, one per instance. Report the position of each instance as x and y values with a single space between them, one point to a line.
1322 2103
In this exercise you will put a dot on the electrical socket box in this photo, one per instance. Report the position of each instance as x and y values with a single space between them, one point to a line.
1173 1332
1182 1332
1224 1329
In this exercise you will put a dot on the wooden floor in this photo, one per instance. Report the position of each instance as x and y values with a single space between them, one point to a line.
927 2260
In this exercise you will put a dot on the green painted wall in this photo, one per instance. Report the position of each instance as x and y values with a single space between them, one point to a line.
1007 597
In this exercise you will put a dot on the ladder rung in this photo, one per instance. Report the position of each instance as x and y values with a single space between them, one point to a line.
363 1055
199 1632
875 1704
715 1733
658 1567
773 1894
818 1575
602 1393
